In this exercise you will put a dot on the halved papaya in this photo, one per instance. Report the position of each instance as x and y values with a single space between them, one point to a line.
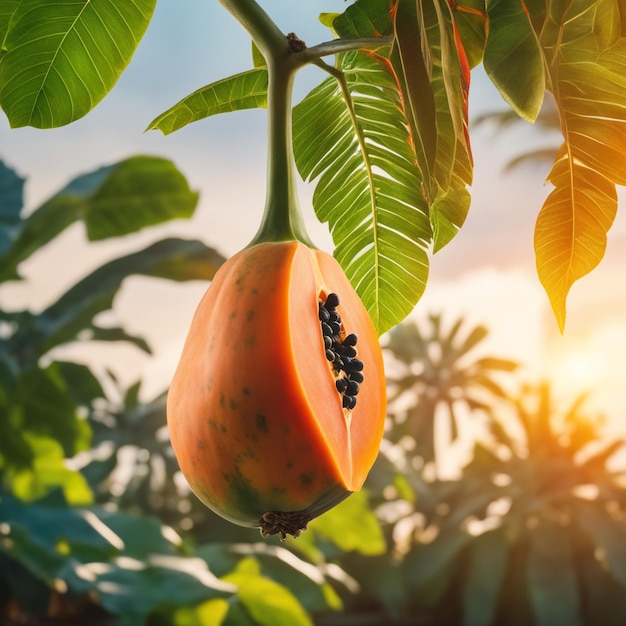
273 417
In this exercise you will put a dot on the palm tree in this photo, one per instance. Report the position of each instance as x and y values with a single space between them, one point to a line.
434 376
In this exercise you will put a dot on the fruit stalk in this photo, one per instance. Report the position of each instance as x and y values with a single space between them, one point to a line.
282 217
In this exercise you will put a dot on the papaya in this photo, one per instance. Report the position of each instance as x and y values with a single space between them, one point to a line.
276 409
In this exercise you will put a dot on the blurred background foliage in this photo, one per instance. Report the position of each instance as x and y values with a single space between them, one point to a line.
490 503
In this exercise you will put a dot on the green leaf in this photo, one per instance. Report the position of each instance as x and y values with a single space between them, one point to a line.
364 18
267 602
571 229
434 76
551 579
414 65
112 201
369 186
62 58
136 193
470 17
588 82
209 613
303 579
48 471
352 526
513 59
174 259
47 408
247 90
11 201
488 555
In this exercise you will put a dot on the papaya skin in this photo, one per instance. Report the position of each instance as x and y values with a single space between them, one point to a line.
254 415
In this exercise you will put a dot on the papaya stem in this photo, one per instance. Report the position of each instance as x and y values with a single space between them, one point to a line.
282 217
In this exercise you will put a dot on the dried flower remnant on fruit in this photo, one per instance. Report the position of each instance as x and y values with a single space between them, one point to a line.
342 353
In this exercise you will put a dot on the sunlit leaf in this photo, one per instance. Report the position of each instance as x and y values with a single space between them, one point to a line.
303 579
369 186
247 90
48 471
62 58
209 613
513 59
267 602
571 229
352 525
586 59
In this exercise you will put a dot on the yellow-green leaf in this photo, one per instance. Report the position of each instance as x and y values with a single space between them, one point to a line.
513 59
570 234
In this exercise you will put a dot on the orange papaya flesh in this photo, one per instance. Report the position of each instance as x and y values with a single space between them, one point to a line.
255 414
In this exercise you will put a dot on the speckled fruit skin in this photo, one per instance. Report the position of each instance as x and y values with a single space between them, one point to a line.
254 416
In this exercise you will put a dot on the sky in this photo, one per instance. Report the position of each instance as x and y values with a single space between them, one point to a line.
485 275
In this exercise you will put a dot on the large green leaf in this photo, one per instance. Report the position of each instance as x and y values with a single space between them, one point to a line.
11 191
513 58
115 200
265 601
551 579
61 58
304 580
353 135
247 90
133 563
586 59
174 259
433 73
352 525
470 17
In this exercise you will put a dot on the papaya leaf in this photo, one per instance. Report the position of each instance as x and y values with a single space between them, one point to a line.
265 601
11 201
247 90
303 579
174 259
513 58
470 17
552 582
8 10
114 200
352 134
352 525
433 73
589 85
61 59
364 18
570 233
414 65
47 471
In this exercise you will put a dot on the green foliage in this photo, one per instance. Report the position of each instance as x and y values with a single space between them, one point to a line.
55 67
412 145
